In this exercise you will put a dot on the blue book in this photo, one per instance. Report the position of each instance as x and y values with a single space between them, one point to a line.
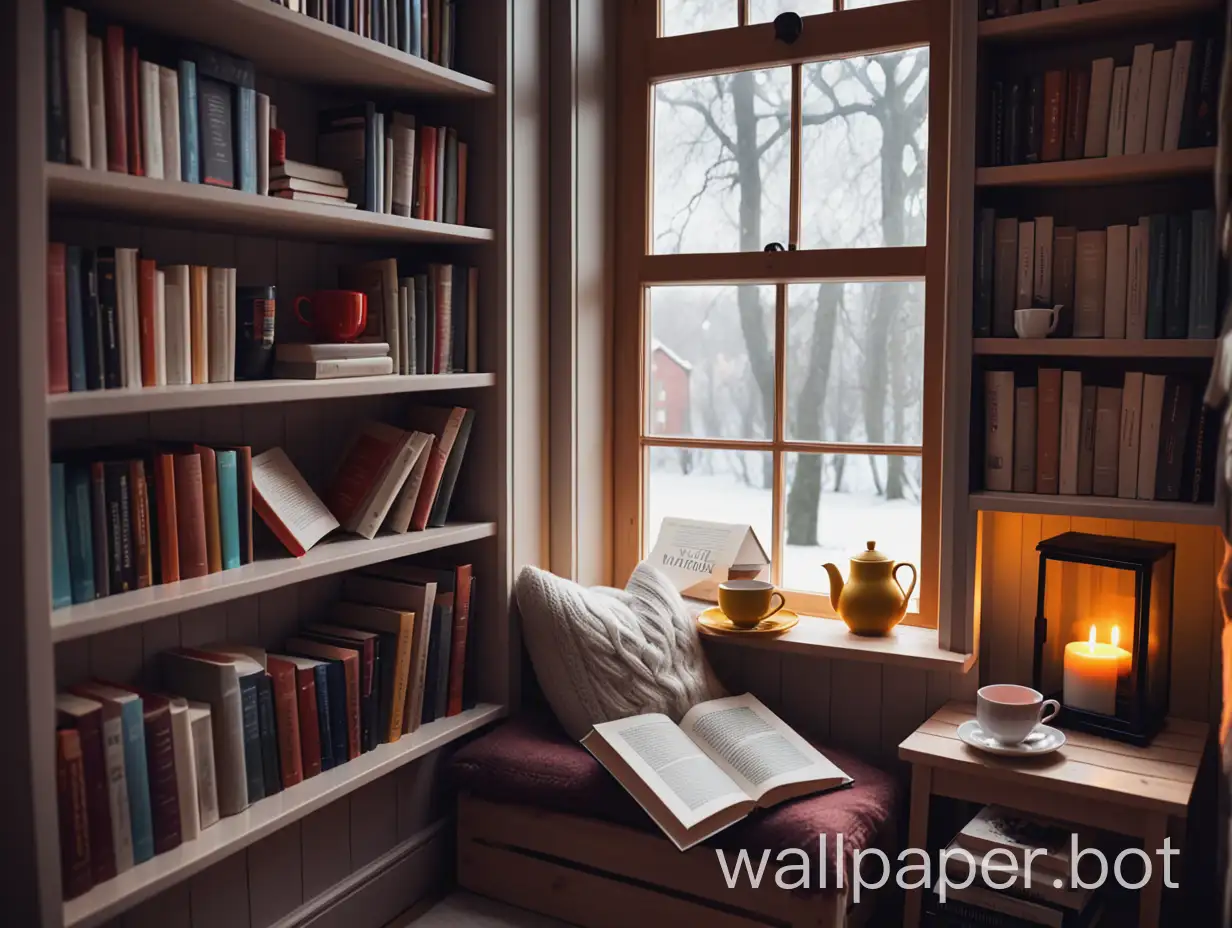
1203 273
404 25
416 22
321 673
132 720
1157 276
254 769
190 169
78 514
61 578
247 98
76 323
228 509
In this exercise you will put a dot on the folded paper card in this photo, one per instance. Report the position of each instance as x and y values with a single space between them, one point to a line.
697 556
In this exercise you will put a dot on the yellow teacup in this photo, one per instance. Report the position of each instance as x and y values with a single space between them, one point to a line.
747 602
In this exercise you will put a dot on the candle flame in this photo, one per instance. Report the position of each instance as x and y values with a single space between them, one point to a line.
1091 640
1116 636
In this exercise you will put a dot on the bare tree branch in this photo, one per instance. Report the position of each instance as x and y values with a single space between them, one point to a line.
705 113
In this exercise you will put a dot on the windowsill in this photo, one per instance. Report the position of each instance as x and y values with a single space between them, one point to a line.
905 646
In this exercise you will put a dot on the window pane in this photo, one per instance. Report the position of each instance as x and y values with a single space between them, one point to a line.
723 486
711 361
682 16
722 162
837 502
764 11
860 114
855 362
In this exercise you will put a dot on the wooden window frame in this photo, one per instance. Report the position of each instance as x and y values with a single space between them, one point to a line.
645 59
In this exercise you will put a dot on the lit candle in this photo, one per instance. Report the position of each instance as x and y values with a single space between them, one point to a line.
1125 660
1091 671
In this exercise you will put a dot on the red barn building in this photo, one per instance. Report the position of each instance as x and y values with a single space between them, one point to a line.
669 391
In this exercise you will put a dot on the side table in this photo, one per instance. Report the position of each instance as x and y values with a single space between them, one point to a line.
1091 781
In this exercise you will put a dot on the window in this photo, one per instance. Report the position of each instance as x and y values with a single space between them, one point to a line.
780 305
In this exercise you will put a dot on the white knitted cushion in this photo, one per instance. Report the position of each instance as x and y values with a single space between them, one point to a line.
602 654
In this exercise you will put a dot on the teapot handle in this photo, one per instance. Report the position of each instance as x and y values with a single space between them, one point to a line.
907 592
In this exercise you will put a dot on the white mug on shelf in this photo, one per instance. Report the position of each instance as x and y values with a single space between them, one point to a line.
1010 712
1038 322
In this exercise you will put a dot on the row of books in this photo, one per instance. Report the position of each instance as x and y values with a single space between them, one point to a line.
391 164
135 519
198 118
1022 876
1158 278
992 9
423 28
141 772
1164 100
1150 437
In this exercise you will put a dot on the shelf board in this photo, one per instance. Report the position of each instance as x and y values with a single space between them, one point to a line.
1088 18
344 553
201 396
1123 169
288 44
176 201
1095 507
236 832
1099 347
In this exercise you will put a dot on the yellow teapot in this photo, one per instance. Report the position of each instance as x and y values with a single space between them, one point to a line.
872 601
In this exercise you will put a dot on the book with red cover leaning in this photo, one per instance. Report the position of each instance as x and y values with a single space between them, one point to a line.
285 503
443 422
287 705
364 463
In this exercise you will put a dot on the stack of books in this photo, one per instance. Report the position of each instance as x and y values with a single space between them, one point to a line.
140 773
294 180
330 360
1013 903
1157 278
423 28
1133 436
1151 101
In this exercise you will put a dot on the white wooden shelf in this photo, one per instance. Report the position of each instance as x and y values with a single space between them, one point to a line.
290 44
1096 507
1099 347
1121 169
93 403
264 817
1100 18
170 201
347 552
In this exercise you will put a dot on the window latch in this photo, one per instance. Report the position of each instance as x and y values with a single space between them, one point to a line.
787 27
778 246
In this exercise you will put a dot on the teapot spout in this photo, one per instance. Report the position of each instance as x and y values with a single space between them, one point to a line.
836 584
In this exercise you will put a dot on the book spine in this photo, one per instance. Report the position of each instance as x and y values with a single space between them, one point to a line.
109 311
76 89
339 714
57 319
994 155
97 101
1136 280
140 522
1139 94
325 715
1086 442
77 509
286 711
1052 147
214 118
164 791
1064 257
228 509
1182 54
75 870
1116 240
1204 275
1041 284
75 321
1117 111
1130 436
1176 307
247 139
185 774
117 101
1206 122
1089 284
263 144
100 528
1071 432
1157 275
254 770
1096 143
61 572
169 112
442 629
449 475
1153 389
97 795
151 120
132 88
145 309
268 726
137 775
57 129
190 165
309 722
1079 92
1157 101
457 653
190 516
92 323
203 757
1173 434
1107 441
1047 441
117 791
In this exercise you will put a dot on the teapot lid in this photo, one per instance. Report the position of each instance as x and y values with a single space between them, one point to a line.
872 555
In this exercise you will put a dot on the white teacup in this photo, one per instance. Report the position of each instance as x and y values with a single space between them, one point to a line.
1010 712
1039 322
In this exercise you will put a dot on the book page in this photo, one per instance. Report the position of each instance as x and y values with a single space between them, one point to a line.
671 766
756 748
286 492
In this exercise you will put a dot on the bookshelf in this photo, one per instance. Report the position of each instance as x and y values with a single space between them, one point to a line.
1098 347
283 854
1087 20
1095 507
1125 169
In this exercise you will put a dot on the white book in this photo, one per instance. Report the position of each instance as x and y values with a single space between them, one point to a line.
1117 111
369 517
130 329
117 787
331 370
302 196
1131 423
1026 265
178 349
1042 270
1136 279
330 351
1115 281
169 101
205 778
185 768
77 86
216 315
299 185
97 94
399 519
160 329
273 115
1157 101
1071 431
301 171
1177 85
151 120
263 152
999 430
286 499
230 349
1148 443
1096 143
1139 94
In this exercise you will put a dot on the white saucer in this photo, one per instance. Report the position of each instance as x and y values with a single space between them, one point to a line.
1044 740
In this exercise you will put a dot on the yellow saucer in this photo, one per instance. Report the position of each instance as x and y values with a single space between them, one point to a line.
714 620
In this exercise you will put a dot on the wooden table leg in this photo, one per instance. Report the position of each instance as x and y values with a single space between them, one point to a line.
1151 895
917 834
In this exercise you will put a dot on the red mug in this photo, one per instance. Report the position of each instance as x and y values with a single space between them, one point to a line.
336 315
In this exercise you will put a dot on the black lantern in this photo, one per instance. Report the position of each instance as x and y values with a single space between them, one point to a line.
1103 633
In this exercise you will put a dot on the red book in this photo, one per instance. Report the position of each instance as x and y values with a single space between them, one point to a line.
457 652
86 717
1053 147
160 766
57 320
190 516
132 85
444 317
1079 87
427 172
75 872
164 504
309 722
146 280
361 470
443 422
209 498
350 667
286 711
140 496
117 120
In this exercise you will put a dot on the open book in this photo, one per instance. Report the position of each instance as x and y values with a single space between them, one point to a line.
726 758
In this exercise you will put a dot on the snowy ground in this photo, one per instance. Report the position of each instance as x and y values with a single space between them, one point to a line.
846 521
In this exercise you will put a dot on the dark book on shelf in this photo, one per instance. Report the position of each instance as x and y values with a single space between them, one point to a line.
216 132
1064 269
1176 306
100 529
449 474
123 566
470 670
78 517
331 713
1157 275
270 767
75 871
116 101
74 319
1077 98
92 323
161 772
1030 6
1052 147
367 647
436 682
1175 422
1033 119
250 707
57 125
1206 118
1014 109
1048 434
985 240
85 716
1203 277
109 311
1201 455
994 156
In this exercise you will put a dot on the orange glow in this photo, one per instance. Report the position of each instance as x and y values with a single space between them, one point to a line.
1116 636
1091 640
